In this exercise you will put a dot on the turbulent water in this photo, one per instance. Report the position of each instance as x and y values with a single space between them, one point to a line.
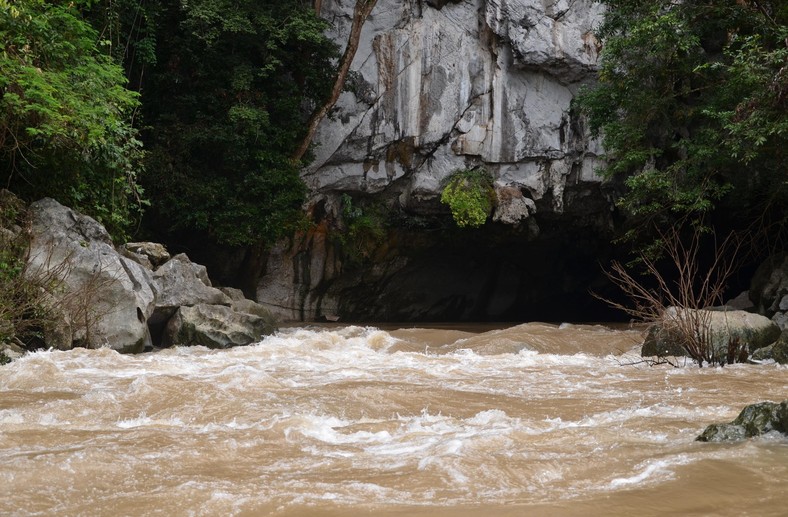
530 420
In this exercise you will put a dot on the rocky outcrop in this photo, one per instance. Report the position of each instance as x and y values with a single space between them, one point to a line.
439 86
745 329
754 420
123 299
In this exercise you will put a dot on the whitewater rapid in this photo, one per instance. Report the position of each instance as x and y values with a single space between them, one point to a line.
555 420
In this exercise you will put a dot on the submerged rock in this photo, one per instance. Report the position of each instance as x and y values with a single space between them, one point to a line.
754 420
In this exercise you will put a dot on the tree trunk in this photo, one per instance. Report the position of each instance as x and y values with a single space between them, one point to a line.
360 14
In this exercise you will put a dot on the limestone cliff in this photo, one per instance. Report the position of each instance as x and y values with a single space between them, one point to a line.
437 86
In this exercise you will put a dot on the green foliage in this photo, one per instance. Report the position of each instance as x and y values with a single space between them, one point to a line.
364 229
469 194
226 104
65 113
691 103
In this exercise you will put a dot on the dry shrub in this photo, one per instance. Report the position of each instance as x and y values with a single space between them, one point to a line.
678 281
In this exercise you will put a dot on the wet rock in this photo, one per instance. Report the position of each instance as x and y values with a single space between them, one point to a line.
745 328
105 298
215 326
754 420
778 351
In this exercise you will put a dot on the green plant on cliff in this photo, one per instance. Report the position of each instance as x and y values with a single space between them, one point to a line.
65 113
469 194
364 229
691 102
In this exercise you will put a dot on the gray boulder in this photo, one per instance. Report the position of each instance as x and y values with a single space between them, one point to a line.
180 282
754 420
105 299
745 328
215 326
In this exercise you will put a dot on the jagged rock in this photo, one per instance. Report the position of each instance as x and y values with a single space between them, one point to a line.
215 326
153 253
180 282
511 206
105 298
745 328
436 87
483 81
754 420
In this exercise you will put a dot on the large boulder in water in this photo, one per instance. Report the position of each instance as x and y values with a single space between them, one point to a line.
745 328
754 420
216 326
105 299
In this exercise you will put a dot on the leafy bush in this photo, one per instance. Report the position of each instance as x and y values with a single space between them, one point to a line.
469 194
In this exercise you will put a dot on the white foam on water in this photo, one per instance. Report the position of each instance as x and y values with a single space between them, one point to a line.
651 471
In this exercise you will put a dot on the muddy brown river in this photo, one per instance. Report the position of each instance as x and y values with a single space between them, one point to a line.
530 420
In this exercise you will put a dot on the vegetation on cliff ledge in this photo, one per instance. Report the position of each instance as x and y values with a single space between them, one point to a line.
691 101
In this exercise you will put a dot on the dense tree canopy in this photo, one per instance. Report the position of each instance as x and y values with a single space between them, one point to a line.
691 102
65 113
219 91
226 105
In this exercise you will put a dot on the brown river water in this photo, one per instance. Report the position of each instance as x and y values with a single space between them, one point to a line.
530 420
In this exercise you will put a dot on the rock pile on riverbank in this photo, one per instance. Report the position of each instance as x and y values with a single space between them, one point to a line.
130 298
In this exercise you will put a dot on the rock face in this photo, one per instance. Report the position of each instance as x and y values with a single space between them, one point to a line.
754 420
440 86
475 82
745 328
